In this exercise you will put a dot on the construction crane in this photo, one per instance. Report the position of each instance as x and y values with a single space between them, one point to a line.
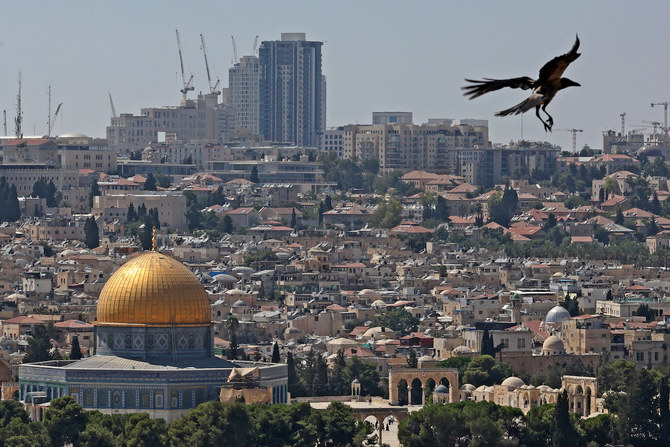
19 113
653 123
255 53
235 59
188 85
665 115
52 119
215 89
574 137
111 103
623 123
4 112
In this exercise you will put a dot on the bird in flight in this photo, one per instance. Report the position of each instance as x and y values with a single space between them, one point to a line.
544 88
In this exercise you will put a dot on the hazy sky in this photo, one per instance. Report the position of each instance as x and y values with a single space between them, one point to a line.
377 56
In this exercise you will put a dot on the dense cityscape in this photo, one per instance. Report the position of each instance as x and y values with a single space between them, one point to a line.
233 271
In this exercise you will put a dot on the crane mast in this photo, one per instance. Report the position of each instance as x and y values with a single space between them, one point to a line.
574 137
623 123
111 103
665 114
188 85
19 113
255 46
215 88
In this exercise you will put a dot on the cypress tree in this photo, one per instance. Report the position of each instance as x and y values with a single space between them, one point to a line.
227 225
150 184
95 191
563 431
75 352
91 232
132 214
293 219
13 211
275 353
254 175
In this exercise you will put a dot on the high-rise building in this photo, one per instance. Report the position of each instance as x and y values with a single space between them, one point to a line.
243 91
292 91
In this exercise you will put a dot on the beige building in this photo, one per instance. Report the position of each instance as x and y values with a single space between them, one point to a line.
586 333
171 207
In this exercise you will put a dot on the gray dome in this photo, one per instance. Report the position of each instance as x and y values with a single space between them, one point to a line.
239 303
557 314
513 382
441 389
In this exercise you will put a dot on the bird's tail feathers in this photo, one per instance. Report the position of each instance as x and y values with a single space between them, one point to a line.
524 106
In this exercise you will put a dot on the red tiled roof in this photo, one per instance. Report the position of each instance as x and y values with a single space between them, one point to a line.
23 320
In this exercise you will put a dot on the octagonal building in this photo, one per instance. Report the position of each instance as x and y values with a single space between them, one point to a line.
153 349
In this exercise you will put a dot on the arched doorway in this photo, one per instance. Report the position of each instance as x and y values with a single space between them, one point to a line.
587 402
429 388
416 396
402 392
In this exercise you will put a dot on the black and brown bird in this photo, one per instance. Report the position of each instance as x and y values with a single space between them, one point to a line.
544 88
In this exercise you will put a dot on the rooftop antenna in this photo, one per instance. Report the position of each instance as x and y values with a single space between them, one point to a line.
19 113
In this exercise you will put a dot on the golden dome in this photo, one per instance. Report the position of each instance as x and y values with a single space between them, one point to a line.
153 289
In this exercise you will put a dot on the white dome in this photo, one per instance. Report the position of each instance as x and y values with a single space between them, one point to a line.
553 345
379 303
461 350
513 382
557 314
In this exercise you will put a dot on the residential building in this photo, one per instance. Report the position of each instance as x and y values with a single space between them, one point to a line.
244 93
292 91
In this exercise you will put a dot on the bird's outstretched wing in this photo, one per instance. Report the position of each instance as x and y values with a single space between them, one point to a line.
554 69
489 85
534 100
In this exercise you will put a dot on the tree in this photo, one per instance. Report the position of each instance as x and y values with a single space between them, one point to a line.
75 351
398 320
619 220
293 218
91 233
275 353
131 216
39 345
571 305
64 421
254 175
563 432
638 415
11 205
146 233
213 423
150 183
328 203
227 224
388 214
142 431
95 191
412 361
337 381
643 310
487 347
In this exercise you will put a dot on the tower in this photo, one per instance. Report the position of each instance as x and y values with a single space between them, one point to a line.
292 91
243 93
